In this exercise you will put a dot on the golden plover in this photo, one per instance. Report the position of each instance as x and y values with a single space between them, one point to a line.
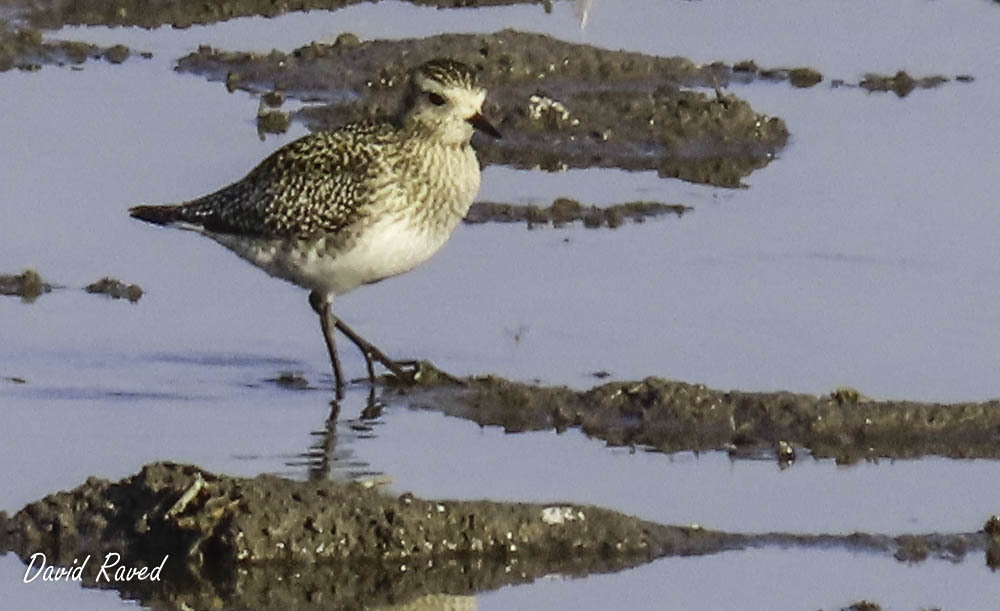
338 209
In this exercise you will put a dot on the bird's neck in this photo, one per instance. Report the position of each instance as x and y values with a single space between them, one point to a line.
455 135
445 176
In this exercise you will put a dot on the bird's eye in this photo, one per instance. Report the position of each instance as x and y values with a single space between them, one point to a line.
436 99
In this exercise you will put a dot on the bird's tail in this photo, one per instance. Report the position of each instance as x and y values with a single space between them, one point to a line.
158 215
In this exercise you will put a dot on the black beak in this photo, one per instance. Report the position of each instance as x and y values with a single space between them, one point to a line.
479 122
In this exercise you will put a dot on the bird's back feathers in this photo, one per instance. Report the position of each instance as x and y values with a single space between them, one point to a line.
318 183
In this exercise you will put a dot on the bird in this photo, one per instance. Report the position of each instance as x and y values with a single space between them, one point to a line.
342 208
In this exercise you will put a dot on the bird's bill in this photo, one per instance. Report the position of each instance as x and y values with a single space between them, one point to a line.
480 122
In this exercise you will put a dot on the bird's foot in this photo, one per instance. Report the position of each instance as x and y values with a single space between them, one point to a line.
423 373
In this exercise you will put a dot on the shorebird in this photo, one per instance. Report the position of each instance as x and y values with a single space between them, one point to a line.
338 209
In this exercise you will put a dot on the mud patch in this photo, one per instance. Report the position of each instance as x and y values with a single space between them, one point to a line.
673 416
314 544
26 49
28 285
290 380
272 543
272 122
558 104
748 70
116 289
804 77
901 83
564 210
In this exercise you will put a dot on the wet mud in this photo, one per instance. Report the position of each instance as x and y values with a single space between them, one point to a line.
271 543
27 49
672 416
564 210
116 289
290 380
747 71
559 105
272 122
902 84
28 285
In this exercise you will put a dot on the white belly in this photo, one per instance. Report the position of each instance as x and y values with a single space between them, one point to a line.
386 248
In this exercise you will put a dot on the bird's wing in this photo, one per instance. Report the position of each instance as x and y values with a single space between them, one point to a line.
317 183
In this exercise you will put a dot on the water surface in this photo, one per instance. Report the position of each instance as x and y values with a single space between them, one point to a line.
865 255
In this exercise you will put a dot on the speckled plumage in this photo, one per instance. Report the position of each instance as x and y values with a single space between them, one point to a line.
448 72
334 210
300 213
319 183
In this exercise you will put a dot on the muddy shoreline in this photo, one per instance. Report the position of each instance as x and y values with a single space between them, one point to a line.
268 542
323 544
673 416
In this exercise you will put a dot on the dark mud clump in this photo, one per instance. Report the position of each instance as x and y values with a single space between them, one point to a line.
26 49
270 119
564 210
117 54
747 71
804 77
115 289
153 14
992 530
272 122
559 104
323 544
901 83
676 416
27 285
291 380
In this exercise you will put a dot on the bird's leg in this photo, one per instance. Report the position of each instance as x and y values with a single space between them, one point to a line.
370 352
321 305
373 408
320 453
369 365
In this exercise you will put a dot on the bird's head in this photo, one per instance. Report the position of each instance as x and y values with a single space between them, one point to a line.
446 101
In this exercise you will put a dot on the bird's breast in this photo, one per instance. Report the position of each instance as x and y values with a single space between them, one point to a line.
438 184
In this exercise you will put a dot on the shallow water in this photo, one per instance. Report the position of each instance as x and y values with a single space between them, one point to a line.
864 256
763 579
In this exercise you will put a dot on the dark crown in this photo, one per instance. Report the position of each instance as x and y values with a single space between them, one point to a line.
448 72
